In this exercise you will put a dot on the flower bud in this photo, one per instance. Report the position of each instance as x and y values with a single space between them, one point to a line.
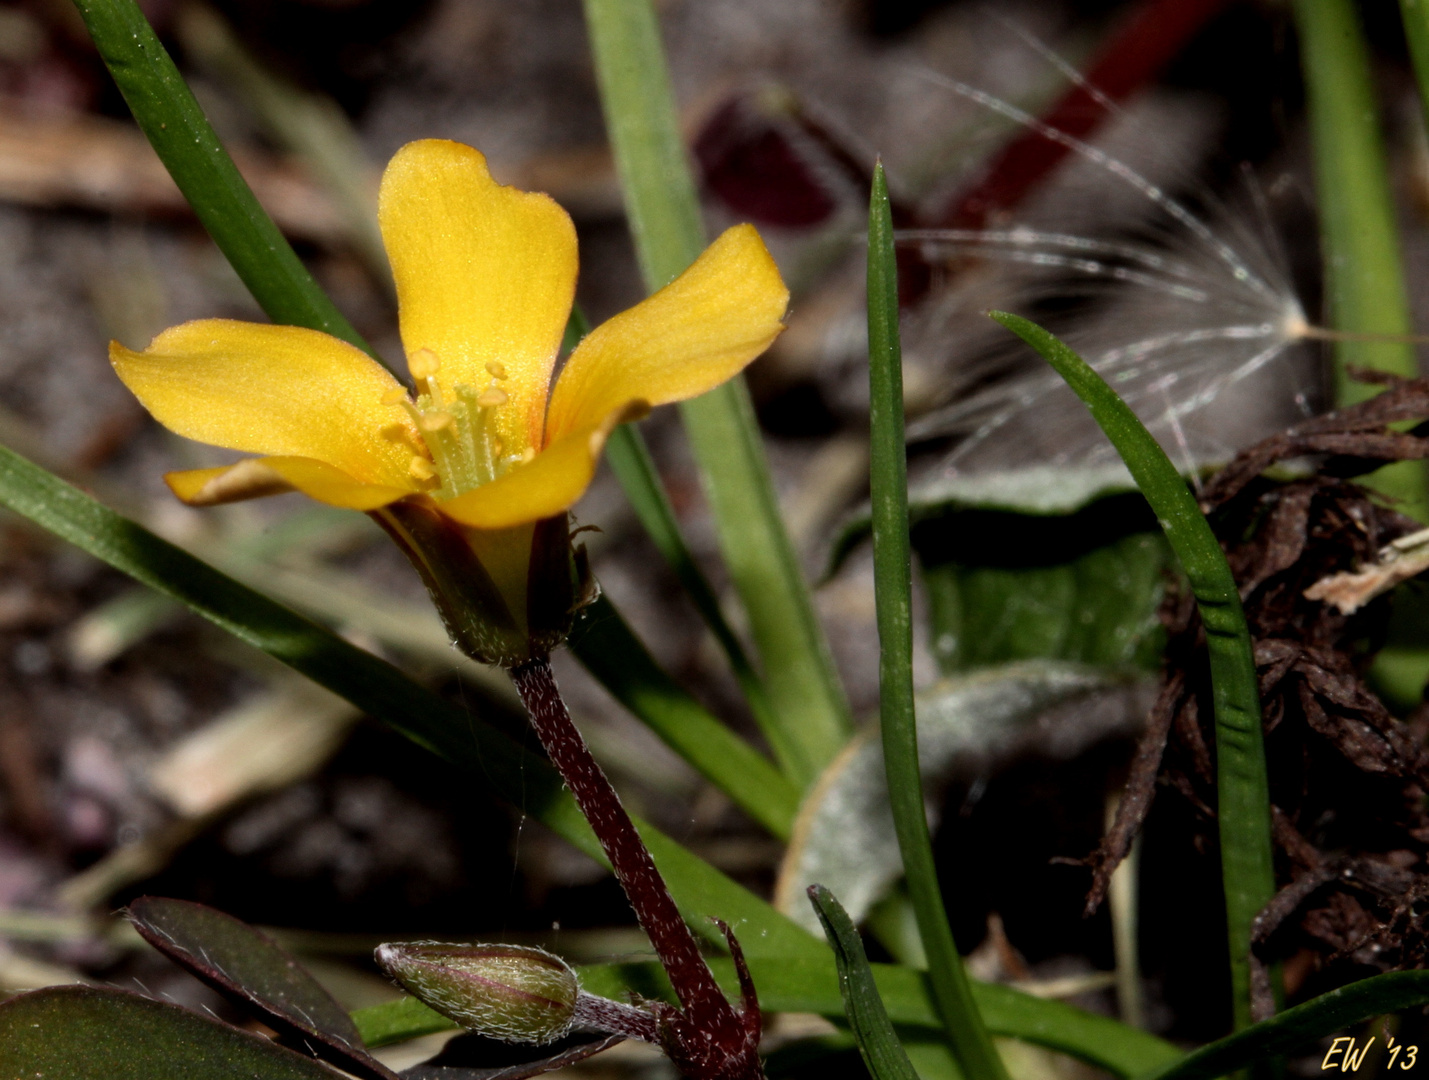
507 992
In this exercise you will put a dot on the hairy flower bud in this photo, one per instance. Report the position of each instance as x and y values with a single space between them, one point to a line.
507 992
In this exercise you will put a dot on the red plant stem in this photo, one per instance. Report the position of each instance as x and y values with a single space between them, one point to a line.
1148 41
703 1001
614 1016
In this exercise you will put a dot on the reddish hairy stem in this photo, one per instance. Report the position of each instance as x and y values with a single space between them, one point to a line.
703 1001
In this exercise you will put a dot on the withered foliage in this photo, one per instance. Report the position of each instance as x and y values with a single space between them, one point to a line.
1348 779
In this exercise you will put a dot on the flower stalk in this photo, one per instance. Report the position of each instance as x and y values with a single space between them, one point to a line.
706 1038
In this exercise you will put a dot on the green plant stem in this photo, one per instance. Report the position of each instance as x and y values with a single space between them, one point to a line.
1243 794
660 200
1364 280
892 577
633 466
187 145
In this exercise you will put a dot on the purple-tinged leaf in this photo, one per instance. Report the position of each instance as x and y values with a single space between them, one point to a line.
475 1057
84 1033
249 969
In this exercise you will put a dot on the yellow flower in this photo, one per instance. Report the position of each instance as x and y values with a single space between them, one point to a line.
485 280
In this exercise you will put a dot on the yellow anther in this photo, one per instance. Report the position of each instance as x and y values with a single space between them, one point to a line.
423 364
497 446
435 421
496 369
528 455
491 397
421 469
395 396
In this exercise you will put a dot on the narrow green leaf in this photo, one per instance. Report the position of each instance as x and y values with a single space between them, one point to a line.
1364 280
633 466
187 145
877 1042
1295 1028
664 217
81 1033
1415 14
808 983
892 583
1243 797
611 652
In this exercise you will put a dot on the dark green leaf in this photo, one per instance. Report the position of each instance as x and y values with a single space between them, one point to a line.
80 1033
187 145
1004 587
249 968
1296 1028
877 1042
1243 795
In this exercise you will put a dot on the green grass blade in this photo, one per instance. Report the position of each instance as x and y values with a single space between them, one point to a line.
1364 280
877 1042
1243 796
1295 1028
665 220
892 582
186 143
633 466
610 651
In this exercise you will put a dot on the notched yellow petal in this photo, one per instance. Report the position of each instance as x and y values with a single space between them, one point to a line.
689 337
272 390
484 273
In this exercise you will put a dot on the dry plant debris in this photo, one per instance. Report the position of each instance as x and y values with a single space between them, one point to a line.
1348 778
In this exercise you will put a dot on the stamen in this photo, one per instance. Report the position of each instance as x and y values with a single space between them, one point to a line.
491 397
421 469
396 396
496 369
497 446
528 455
436 421
423 364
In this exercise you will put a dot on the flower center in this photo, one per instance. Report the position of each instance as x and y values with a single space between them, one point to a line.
459 428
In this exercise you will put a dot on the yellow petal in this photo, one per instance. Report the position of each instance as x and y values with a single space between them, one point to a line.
485 276
549 484
257 477
273 390
689 337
